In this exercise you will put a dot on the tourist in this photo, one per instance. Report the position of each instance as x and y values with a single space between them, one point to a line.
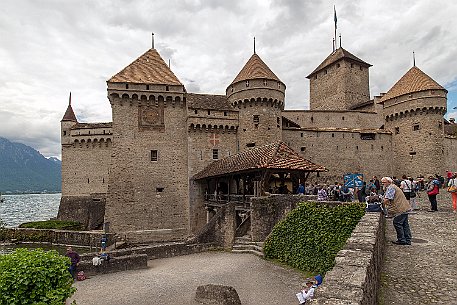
397 207
74 261
406 187
322 193
307 292
301 189
452 188
377 183
346 194
433 189
413 195
448 176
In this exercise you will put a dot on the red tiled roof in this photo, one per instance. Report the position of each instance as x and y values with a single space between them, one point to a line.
413 81
255 68
335 56
208 101
149 68
69 115
277 156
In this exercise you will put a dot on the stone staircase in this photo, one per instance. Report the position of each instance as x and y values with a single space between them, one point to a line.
244 244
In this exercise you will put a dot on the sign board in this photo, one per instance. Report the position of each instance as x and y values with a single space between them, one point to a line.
353 180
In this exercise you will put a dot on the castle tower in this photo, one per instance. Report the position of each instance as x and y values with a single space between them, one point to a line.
413 110
340 82
259 95
68 121
148 185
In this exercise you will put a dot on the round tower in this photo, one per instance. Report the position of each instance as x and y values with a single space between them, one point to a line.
413 110
259 95
68 121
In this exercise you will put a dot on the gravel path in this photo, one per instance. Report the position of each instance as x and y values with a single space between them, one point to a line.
175 280
426 271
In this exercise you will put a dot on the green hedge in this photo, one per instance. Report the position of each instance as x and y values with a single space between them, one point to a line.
311 235
34 277
53 224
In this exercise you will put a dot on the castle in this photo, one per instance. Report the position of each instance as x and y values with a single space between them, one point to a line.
143 172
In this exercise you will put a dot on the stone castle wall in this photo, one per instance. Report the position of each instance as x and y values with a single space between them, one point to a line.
450 151
148 199
339 86
416 123
86 167
334 119
343 152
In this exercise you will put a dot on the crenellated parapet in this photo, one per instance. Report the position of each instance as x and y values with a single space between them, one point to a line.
167 99
415 112
209 128
259 101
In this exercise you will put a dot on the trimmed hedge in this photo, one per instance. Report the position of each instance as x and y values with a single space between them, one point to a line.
53 224
311 235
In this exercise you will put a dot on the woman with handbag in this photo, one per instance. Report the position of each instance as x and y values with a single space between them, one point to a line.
452 188
433 189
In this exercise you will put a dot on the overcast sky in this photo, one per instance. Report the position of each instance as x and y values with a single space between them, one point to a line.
51 47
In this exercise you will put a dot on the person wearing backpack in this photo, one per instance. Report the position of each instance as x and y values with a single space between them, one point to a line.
406 187
433 189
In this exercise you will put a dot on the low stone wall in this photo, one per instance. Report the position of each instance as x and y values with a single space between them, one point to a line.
88 210
62 237
115 264
355 278
266 212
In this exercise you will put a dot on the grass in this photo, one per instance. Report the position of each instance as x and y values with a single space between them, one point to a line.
53 224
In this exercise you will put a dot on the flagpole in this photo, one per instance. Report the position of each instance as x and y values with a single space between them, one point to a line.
335 19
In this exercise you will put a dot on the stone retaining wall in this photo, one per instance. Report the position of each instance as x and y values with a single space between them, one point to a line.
115 264
355 278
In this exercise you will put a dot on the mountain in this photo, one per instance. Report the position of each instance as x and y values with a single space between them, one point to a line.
24 170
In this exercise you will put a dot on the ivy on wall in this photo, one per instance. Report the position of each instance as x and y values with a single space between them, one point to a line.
311 235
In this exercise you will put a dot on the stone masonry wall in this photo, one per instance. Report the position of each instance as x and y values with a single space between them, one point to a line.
88 210
339 86
355 278
148 200
450 150
343 152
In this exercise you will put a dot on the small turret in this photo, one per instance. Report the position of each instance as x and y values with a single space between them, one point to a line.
68 121
259 95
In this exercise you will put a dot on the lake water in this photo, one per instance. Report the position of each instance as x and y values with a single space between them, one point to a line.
17 209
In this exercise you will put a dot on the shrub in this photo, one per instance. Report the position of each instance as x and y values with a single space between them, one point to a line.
34 277
312 234
53 224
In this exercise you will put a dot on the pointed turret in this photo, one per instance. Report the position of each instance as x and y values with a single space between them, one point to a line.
69 113
415 80
340 82
259 94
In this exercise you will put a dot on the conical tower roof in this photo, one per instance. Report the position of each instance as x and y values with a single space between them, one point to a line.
413 81
69 113
337 55
149 68
255 68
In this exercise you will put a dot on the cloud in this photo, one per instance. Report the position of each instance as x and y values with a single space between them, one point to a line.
50 48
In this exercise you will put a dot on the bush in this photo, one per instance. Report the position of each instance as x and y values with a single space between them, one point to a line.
34 277
53 224
312 234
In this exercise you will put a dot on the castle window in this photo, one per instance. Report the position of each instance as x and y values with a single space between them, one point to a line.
201 155
397 130
333 135
279 85
372 146
256 118
126 86
413 153
231 89
247 83
301 135
432 92
159 189
315 76
382 147
278 120
368 136
325 71
352 65
312 119
87 180
215 154
303 148
342 118
103 131
195 111
209 112
147 87
64 133
416 127
250 145
167 88
154 155
265 83
337 65
225 113
103 180
440 125
361 68
89 131
357 147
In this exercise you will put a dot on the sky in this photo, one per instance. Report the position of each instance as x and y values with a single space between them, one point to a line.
51 47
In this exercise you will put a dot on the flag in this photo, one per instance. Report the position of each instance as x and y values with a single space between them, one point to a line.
334 16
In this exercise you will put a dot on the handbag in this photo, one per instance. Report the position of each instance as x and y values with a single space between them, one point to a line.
452 189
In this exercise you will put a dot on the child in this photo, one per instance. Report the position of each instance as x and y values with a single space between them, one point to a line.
307 292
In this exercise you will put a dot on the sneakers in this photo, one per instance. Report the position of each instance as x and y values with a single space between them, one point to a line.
396 242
